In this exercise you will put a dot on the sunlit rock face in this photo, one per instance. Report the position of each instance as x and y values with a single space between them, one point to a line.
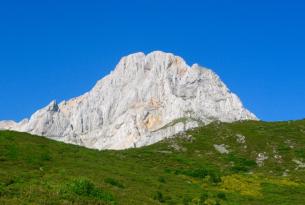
145 99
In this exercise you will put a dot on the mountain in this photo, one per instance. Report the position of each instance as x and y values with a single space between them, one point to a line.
145 99
240 163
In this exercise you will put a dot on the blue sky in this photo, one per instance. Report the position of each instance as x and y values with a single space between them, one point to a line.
59 49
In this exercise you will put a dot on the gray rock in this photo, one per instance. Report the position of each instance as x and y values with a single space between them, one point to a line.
133 104
240 139
222 149
261 157
299 163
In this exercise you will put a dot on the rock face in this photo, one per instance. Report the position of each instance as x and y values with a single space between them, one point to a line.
144 100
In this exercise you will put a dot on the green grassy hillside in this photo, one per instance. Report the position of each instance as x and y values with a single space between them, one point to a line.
262 163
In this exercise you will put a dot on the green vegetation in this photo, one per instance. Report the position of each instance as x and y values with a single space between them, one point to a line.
264 166
79 188
114 182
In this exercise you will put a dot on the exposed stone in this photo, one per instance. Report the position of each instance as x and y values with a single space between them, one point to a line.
7 125
241 139
286 173
299 163
128 107
261 157
222 149
177 147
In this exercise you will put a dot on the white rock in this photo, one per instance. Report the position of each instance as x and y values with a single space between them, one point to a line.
134 103
7 125
286 173
221 149
299 163
261 157
241 139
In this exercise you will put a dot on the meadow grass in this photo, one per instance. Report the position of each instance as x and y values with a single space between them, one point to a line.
36 170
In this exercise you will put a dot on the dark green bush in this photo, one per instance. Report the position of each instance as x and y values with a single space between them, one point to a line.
222 196
187 200
300 153
46 157
114 182
204 196
161 179
158 196
202 173
1 189
85 188
241 164
197 173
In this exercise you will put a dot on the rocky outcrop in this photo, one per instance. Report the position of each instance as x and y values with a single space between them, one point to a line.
144 100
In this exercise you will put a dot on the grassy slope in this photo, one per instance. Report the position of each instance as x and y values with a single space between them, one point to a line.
184 170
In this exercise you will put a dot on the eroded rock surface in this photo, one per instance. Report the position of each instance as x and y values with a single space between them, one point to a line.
144 100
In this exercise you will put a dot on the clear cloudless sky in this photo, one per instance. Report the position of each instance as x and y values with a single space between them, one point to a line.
58 49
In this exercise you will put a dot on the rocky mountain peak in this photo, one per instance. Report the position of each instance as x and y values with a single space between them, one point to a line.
52 107
144 100
153 61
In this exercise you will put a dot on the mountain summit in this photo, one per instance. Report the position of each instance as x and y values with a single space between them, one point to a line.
145 99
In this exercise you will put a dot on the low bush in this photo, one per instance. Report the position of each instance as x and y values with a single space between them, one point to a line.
245 185
1 189
46 157
158 196
114 182
85 188
162 179
222 196
300 153
241 164
202 173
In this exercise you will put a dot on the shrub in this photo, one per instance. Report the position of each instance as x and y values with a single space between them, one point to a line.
204 196
207 198
161 179
300 153
215 177
222 196
249 186
1 189
85 188
158 196
241 164
46 157
202 173
211 202
187 200
114 182
197 173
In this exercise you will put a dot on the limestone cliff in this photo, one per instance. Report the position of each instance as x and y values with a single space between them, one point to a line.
144 100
